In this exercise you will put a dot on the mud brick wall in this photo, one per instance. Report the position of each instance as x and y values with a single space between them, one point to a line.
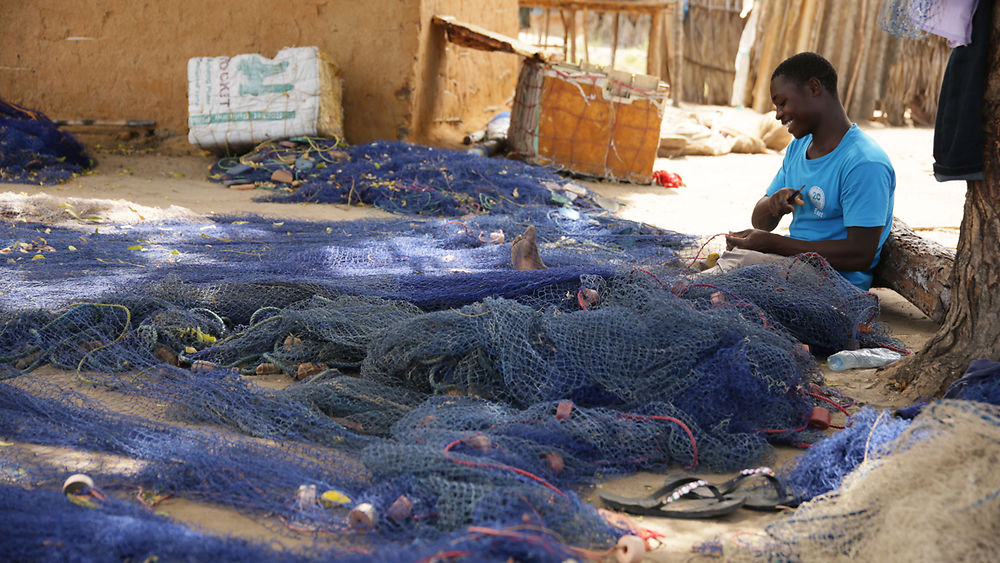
118 59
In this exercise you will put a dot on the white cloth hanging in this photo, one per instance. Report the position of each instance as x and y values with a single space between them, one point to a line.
951 19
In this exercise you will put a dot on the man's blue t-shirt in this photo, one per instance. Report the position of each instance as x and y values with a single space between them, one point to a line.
852 186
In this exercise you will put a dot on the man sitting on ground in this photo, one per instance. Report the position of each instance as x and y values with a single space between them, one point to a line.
837 183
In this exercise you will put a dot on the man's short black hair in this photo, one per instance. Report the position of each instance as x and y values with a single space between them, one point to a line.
803 66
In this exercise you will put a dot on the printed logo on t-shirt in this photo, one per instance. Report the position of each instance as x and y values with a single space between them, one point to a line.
818 199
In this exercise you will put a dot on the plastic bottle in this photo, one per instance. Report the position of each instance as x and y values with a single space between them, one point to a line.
495 129
863 358
487 148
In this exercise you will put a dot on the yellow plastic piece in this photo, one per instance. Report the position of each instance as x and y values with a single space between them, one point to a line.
332 498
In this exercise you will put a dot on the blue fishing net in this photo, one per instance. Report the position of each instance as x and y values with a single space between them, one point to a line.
42 525
714 366
33 150
640 344
205 464
429 262
430 453
393 176
160 312
265 479
980 382
562 442
825 464
804 296
402 364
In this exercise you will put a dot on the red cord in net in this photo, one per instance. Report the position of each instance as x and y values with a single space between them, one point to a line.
678 422
519 471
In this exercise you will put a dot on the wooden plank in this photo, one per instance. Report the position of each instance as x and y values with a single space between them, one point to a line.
872 78
475 37
883 56
540 42
848 40
715 7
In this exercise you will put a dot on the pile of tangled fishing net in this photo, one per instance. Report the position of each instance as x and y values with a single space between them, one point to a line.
638 346
356 495
158 464
395 176
391 389
804 296
381 435
932 494
33 150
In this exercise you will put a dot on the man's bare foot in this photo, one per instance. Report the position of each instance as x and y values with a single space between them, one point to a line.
524 252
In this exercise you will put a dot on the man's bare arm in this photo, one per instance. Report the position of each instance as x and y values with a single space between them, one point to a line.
854 253
769 210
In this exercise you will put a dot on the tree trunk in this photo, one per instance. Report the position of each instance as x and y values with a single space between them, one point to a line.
971 329
918 269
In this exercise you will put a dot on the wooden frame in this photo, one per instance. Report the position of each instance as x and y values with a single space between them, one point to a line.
656 9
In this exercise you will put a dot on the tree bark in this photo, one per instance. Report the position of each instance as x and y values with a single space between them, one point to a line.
971 329
918 269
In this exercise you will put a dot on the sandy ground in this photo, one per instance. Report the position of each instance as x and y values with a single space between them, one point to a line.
717 197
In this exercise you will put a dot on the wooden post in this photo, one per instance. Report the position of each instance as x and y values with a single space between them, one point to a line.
881 55
818 22
655 51
614 39
806 29
548 18
678 53
541 25
768 55
862 47
565 27
572 33
586 53
789 32
845 45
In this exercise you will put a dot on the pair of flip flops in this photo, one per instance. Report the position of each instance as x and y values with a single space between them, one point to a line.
686 496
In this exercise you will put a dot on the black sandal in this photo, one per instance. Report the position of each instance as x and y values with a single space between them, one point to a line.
675 499
765 498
